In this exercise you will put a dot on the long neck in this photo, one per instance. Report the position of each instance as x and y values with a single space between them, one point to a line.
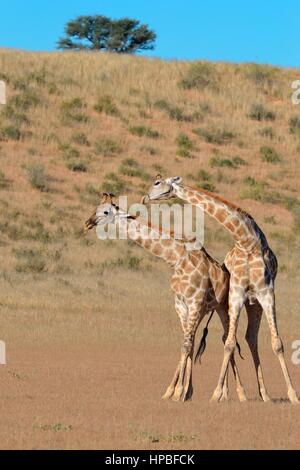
151 239
241 225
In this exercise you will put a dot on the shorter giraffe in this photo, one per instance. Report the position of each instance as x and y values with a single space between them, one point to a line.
199 283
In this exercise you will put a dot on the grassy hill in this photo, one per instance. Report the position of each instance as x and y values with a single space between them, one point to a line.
78 123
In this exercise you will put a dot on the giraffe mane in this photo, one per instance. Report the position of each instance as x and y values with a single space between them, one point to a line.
230 204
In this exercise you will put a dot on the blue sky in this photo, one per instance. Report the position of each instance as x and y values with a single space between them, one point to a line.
229 30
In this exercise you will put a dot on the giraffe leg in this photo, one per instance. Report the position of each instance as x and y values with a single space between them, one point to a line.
254 313
170 390
183 387
267 301
236 305
223 314
180 388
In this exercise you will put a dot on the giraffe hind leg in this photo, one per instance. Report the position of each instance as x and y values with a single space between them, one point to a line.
267 301
254 313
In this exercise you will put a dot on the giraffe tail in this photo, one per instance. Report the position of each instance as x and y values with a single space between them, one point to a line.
202 344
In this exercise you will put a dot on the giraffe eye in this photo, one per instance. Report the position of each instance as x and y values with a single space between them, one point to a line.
157 183
106 212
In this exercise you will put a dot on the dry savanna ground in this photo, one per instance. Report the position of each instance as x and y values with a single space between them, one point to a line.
91 333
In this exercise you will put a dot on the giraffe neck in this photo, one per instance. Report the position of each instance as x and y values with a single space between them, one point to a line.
152 240
241 225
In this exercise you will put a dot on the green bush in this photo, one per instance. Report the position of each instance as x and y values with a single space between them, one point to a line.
105 104
4 183
143 131
72 110
80 138
25 101
115 184
77 166
261 75
183 152
33 261
10 133
38 177
267 132
268 154
132 168
294 124
200 75
259 113
183 141
107 147
18 118
215 135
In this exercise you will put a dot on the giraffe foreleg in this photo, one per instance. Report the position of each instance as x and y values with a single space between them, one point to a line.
236 303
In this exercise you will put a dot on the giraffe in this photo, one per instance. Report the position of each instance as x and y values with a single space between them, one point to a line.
199 283
252 266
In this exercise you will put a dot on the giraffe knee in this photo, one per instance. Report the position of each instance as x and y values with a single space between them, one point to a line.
229 346
277 345
187 346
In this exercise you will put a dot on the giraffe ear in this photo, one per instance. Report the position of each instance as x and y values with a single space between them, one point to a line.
158 177
177 179
105 197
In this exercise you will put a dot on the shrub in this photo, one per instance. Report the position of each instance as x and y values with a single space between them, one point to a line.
25 101
114 185
183 152
215 135
150 150
105 104
255 190
268 154
183 141
217 161
200 75
18 118
38 177
259 113
294 124
4 183
174 112
72 110
107 147
132 168
261 74
80 138
205 180
267 132
143 131
33 261
77 166
10 133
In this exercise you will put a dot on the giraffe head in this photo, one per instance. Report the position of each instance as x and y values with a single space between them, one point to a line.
107 212
162 189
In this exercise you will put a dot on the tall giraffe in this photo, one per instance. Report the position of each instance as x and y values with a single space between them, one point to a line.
252 266
199 283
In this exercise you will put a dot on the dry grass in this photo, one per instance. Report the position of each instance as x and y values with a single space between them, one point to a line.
90 328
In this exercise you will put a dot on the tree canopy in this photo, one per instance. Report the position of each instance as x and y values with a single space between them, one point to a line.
102 33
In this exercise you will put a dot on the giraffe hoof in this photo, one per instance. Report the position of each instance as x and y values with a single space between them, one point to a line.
168 394
224 397
265 398
242 395
293 397
216 397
